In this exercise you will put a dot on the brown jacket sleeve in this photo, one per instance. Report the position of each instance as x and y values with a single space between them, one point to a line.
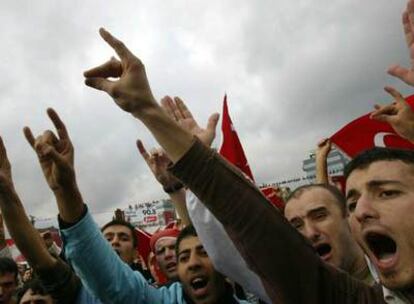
60 282
290 270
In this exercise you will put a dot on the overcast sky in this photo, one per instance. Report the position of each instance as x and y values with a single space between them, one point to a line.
294 72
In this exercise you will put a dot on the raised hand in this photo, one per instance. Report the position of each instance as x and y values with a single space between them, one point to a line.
158 162
179 112
6 181
131 91
406 75
56 157
56 154
398 114
23 233
322 150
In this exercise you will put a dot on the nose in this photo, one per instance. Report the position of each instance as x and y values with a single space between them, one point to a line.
115 241
169 253
311 232
194 262
365 210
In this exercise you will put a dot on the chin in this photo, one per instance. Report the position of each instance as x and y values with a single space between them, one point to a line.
398 281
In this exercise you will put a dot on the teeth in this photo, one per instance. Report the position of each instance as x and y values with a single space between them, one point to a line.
197 280
386 256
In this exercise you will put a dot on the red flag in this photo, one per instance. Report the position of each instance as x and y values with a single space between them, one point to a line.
231 148
365 133
143 243
271 195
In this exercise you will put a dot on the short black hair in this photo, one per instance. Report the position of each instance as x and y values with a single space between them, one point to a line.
8 265
366 158
336 193
188 231
35 285
125 224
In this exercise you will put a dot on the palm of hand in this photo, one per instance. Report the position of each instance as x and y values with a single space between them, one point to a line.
159 166
403 121
204 135
55 175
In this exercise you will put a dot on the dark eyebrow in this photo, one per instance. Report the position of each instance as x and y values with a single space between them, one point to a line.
123 233
316 210
374 184
294 219
378 183
200 247
184 251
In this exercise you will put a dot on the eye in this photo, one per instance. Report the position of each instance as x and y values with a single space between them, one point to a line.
297 225
320 215
351 206
389 193
160 251
184 258
203 252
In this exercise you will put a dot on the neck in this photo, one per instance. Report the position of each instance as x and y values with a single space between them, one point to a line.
358 267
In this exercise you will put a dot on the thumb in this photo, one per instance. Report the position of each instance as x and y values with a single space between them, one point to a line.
101 84
212 122
399 72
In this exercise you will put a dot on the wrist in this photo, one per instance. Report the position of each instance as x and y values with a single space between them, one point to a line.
173 187
147 111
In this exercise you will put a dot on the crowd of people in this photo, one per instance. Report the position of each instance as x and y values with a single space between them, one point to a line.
331 243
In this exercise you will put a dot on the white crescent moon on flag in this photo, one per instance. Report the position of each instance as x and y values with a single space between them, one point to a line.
379 139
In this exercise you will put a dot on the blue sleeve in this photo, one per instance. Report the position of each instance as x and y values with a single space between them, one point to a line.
104 274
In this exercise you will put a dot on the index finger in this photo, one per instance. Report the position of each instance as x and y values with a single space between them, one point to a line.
396 94
142 150
3 152
118 46
185 112
29 136
58 123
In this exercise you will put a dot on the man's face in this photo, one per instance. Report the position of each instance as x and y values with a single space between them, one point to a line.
8 285
30 298
120 238
165 255
316 215
200 280
380 199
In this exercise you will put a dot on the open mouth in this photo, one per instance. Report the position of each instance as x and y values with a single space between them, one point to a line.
171 266
382 246
323 250
199 286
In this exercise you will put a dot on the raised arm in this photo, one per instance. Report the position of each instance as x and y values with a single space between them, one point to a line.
406 74
270 246
322 151
398 114
56 158
26 237
158 163
132 93
57 277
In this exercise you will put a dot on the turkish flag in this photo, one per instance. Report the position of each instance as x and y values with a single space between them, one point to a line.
231 148
365 133
271 195
143 243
